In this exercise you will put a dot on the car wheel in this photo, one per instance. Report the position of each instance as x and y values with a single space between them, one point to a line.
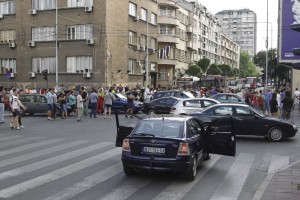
151 112
193 171
275 134
128 171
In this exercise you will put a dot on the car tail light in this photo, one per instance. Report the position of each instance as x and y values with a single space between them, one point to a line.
125 145
173 108
184 149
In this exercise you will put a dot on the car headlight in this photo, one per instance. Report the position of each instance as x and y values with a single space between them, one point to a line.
294 126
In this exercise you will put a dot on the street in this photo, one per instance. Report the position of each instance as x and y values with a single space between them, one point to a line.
65 159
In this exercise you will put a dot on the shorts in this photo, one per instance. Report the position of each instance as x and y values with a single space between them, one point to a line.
108 105
49 106
130 105
16 113
64 107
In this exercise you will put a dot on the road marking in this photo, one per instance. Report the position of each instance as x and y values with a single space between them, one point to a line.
54 175
126 189
9 137
19 141
88 182
278 162
47 162
232 185
29 146
177 190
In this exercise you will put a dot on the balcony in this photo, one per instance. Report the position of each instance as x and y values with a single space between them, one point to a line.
190 45
168 3
168 20
189 28
168 39
166 61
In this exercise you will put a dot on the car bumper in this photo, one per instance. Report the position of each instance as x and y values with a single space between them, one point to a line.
157 165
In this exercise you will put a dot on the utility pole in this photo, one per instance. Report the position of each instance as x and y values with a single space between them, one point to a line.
56 46
147 49
267 46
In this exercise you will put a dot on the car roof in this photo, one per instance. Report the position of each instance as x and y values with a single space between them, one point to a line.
209 99
230 104
177 118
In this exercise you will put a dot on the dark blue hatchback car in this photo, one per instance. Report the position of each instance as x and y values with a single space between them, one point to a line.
173 144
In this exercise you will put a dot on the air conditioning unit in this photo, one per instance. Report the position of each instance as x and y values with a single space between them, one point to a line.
1 16
90 41
31 44
137 18
150 50
12 44
87 75
143 48
88 9
137 47
32 12
31 74
12 75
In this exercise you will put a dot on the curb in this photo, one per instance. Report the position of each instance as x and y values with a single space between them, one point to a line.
263 186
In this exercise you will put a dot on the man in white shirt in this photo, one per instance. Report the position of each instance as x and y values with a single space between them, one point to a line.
15 107
147 94
297 98
79 107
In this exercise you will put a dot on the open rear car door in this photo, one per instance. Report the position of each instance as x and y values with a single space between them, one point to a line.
221 137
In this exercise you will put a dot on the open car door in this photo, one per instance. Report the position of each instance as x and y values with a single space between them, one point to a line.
124 126
221 137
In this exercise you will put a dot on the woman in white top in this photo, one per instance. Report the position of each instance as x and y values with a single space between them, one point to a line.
79 107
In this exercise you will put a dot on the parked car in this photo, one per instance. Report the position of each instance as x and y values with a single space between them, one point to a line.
228 98
173 144
251 121
121 103
188 106
172 93
160 106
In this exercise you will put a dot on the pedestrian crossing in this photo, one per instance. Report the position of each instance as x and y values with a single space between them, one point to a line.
73 168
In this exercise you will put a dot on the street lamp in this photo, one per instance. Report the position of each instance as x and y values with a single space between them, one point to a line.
56 46
267 46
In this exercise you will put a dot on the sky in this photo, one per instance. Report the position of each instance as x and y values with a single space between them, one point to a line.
257 6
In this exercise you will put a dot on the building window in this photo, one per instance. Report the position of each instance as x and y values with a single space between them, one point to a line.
143 41
132 9
7 7
78 32
153 19
153 43
8 35
79 3
43 4
165 11
79 64
131 66
7 63
165 30
46 63
162 73
144 14
43 34
132 38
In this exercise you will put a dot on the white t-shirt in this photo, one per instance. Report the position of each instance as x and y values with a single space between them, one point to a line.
15 102
79 101
297 94
147 94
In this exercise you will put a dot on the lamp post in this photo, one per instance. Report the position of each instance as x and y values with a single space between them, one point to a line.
56 46
267 46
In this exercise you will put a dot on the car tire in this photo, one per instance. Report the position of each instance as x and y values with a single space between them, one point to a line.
275 134
128 171
151 112
191 175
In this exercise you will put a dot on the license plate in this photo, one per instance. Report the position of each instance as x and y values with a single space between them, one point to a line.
153 150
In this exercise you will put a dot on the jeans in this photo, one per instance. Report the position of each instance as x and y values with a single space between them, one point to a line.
93 110
85 108
1 112
79 113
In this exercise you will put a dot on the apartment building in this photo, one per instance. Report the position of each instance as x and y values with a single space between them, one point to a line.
104 42
241 27
187 33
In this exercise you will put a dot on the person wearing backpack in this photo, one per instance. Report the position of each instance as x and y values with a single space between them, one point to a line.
261 101
287 105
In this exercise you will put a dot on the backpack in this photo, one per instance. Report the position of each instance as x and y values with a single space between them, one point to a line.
260 101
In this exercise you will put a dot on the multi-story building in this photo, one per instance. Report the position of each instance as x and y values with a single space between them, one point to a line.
187 33
104 42
241 27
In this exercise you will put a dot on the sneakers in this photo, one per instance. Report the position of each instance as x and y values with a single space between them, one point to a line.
11 126
49 118
22 126
18 128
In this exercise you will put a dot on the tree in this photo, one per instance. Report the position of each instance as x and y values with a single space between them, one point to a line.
214 70
193 70
247 68
226 69
204 64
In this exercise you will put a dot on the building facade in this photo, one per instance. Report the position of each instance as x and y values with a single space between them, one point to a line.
241 27
97 41
188 32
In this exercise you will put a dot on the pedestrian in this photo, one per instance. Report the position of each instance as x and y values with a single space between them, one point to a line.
268 96
108 100
93 101
296 97
21 106
54 105
79 106
85 97
14 105
287 105
147 94
274 105
1 104
49 103
72 101
100 101
62 98
261 101
130 103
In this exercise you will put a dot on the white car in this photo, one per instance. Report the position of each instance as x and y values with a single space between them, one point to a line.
188 106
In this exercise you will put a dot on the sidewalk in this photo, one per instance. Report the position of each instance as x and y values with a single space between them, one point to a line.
284 184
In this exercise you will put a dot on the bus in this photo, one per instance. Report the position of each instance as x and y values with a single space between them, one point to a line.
253 82
237 84
213 81
188 81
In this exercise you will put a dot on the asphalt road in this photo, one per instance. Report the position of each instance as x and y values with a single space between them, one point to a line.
65 159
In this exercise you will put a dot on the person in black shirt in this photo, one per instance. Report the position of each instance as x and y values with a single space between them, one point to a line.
287 105
274 105
130 104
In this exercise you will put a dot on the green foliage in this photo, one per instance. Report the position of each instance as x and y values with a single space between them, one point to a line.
204 64
214 70
226 69
193 70
247 68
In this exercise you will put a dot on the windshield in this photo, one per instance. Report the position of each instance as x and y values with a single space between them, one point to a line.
121 96
160 128
258 112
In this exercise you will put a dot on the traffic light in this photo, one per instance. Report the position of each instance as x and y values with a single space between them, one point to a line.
45 74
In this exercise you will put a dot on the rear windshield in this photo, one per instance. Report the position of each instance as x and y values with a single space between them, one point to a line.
160 128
